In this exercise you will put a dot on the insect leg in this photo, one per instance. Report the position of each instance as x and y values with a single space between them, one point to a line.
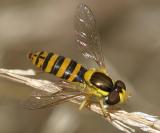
85 102
104 110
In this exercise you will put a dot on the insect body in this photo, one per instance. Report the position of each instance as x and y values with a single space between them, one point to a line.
60 66
88 82
100 84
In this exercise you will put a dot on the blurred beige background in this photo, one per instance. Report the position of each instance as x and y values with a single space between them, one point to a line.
130 33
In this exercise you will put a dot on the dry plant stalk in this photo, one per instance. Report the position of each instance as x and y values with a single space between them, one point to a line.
121 119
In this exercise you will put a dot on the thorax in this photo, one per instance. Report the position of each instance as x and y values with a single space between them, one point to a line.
98 82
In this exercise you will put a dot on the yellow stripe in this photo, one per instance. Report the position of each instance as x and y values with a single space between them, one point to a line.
63 67
35 58
51 63
41 61
88 74
103 93
75 72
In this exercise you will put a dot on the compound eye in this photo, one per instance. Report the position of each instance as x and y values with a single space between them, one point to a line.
119 84
112 98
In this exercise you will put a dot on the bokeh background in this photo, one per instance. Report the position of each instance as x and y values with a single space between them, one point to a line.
130 32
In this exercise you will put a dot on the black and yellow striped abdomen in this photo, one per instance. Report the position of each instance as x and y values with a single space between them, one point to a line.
60 66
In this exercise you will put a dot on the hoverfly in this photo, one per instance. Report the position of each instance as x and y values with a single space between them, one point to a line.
80 81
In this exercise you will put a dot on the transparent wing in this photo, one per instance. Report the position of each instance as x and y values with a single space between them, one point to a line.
42 99
86 35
